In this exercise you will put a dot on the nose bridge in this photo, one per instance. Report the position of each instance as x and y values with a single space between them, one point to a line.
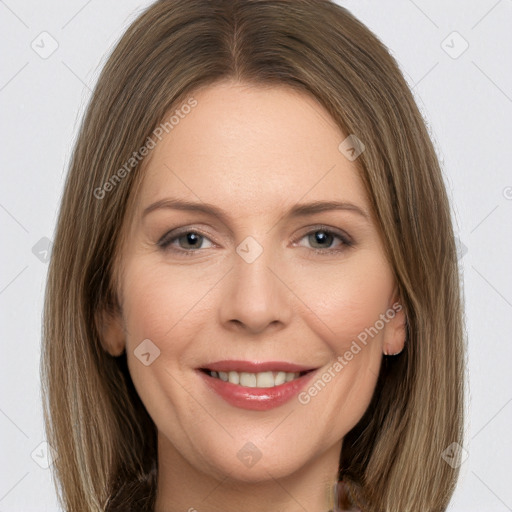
252 264
256 298
252 271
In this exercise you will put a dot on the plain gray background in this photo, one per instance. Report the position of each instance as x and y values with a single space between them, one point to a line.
455 56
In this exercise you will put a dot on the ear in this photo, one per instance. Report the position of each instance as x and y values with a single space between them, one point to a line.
396 329
110 329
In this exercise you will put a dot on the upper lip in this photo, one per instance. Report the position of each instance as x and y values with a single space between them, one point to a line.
256 366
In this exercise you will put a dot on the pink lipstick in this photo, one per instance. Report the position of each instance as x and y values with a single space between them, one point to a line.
257 386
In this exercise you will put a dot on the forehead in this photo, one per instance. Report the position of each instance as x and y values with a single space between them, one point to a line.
252 148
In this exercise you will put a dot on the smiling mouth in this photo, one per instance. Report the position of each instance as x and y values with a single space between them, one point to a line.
266 379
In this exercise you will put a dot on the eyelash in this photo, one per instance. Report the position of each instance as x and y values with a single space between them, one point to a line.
165 243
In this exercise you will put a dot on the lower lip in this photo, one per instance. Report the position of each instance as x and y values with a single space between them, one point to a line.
256 399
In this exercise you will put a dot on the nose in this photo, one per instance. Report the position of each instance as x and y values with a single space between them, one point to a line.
255 296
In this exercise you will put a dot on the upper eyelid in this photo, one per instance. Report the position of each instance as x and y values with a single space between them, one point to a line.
176 233
179 231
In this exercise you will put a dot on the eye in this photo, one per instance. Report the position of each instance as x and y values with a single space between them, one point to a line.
322 240
187 242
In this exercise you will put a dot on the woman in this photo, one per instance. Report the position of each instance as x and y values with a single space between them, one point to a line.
253 298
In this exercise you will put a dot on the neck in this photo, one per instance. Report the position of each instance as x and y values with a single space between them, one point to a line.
184 487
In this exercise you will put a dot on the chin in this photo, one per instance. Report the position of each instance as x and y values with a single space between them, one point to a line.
258 461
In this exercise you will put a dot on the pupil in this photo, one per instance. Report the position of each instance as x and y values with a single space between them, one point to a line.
321 236
192 238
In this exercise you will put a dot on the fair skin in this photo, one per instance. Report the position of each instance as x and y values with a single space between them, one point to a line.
254 153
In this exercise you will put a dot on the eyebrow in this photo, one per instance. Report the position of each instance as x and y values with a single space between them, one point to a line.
299 210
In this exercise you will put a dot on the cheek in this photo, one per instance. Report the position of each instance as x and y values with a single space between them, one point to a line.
349 300
157 302
338 302
169 309
165 310
345 302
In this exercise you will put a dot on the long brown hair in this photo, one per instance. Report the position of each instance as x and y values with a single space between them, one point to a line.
105 440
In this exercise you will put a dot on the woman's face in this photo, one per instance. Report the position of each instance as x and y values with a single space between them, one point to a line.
245 277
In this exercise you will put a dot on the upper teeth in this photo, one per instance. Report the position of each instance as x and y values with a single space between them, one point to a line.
256 380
